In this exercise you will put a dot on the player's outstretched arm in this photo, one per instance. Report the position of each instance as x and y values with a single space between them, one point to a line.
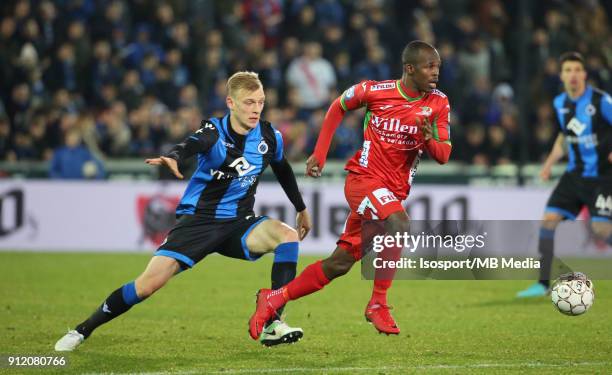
354 97
557 153
285 176
199 142
332 120
170 163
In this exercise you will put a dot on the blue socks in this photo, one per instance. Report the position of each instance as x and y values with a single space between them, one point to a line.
284 267
119 301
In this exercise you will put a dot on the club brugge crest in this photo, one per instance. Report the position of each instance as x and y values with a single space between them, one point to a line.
590 110
263 147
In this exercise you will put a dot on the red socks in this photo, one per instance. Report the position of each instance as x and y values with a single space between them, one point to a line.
313 279
379 293
383 277
309 281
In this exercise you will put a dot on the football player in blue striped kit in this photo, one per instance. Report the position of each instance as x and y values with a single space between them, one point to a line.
215 213
585 117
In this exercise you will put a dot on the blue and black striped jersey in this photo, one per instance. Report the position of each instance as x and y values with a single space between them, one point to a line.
229 166
586 123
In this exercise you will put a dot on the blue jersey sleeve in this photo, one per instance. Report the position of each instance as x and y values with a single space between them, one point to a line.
606 107
558 107
199 142
278 153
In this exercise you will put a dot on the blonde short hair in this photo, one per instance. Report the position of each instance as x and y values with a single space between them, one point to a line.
243 81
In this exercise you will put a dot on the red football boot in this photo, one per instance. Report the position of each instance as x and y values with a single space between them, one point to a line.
381 318
268 301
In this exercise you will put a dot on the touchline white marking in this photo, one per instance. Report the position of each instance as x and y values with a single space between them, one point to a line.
292 370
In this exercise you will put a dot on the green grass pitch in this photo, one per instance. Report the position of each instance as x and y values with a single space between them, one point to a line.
198 323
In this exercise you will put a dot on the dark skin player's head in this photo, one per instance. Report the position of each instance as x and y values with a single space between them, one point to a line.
421 66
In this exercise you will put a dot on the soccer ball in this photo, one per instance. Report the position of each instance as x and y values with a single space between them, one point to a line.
572 293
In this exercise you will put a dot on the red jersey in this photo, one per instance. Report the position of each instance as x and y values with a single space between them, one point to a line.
393 141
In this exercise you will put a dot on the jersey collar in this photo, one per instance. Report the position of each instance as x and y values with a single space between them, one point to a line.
586 93
403 92
231 133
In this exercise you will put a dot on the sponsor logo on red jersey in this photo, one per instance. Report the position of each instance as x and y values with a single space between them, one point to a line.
425 111
350 92
392 124
438 92
384 196
383 86
365 151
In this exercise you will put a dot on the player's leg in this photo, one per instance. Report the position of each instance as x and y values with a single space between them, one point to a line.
317 275
381 204
564 203
274 235
397 222
600 209
313 278
602 230
373 201
159 270
253 237
187 243
546 244
256 237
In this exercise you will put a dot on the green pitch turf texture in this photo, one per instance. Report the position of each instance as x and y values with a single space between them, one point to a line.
198 323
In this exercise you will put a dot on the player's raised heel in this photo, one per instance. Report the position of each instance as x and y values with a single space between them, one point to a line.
381 318
69 341
280 333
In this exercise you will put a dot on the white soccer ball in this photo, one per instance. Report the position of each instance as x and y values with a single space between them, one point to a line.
572 293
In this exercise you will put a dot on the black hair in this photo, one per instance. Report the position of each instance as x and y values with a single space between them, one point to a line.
410 54
572 56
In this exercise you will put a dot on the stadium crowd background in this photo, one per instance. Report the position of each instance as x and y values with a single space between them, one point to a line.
132 78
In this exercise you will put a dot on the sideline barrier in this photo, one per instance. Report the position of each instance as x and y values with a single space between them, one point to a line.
135 216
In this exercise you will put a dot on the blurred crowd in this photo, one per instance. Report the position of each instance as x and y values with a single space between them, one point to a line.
96 79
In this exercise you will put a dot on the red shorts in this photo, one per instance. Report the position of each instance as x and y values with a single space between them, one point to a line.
369 199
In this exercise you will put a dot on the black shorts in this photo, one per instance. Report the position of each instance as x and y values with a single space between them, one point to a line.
573 192
193 238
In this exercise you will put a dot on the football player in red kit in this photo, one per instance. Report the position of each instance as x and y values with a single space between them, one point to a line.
403 118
